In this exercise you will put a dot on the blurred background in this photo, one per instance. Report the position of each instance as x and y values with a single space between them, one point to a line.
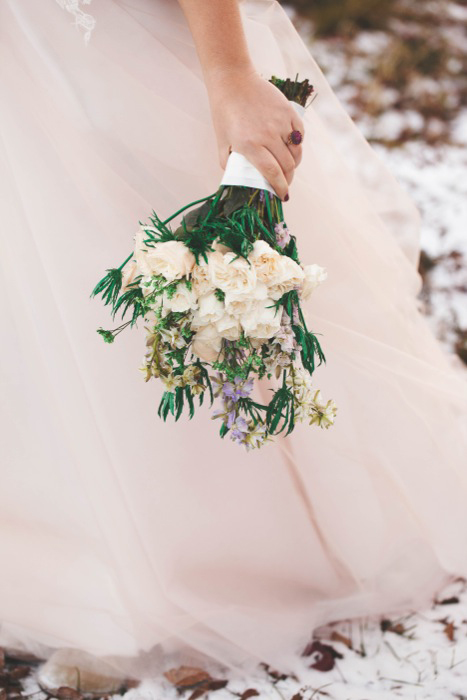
400 69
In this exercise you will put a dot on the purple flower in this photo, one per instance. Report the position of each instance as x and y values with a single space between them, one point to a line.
296 316
231 416
240 430
238 390
282 234
242 424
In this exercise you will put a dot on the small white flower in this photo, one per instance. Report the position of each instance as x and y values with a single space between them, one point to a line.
173 337
322 413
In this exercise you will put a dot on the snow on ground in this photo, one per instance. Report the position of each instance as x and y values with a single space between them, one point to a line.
436 179
421 655
433 170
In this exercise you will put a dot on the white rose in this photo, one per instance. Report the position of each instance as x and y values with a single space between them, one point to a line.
263 321
182 300
314 275
129 272
206 343
239 304
267 262
200 278
231 274
140 253
171 259
210 310
229 327
291 276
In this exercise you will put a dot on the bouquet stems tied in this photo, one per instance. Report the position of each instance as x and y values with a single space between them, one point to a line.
220 293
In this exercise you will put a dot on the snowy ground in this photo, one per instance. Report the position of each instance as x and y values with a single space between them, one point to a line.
428 157
421 655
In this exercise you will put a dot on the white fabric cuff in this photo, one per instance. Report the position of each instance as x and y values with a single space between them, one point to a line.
239 170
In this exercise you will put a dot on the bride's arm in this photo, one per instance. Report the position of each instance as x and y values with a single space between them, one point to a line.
249 114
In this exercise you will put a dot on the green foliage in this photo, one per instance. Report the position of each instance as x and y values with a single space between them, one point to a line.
109 286
281 407
132 298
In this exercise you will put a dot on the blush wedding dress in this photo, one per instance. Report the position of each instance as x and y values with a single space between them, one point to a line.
143 542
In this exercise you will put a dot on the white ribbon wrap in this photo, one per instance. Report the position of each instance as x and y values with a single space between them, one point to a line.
239 170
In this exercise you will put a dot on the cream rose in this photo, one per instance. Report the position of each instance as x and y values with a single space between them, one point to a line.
171 259
263 321
229 327
200 278
267 262
210 310
182 300
230 273
291 276
129 272
239 304
206 343
314 275
140 253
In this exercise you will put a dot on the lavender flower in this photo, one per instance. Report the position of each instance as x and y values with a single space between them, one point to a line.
240 389
239 431
296 315
282 234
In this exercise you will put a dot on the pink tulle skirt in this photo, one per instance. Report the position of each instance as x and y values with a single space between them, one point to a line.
145 541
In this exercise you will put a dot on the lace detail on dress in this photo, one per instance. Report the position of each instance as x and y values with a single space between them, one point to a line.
82 19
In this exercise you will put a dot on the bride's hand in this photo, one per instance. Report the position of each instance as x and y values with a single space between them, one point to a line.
252 117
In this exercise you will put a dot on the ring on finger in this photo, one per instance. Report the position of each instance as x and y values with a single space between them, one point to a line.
295 137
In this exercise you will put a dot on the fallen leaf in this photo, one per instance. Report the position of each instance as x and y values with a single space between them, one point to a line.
326 655
18 672
338 637
187 676
249 693
449 631
387 626
274 673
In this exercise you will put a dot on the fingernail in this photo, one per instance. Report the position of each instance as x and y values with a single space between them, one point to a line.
286 198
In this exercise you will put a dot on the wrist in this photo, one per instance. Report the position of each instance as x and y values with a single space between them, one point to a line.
230 76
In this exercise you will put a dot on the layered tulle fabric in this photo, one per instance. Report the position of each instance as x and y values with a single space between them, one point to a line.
142 541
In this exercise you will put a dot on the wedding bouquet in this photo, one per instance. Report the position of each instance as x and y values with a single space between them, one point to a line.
221 296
